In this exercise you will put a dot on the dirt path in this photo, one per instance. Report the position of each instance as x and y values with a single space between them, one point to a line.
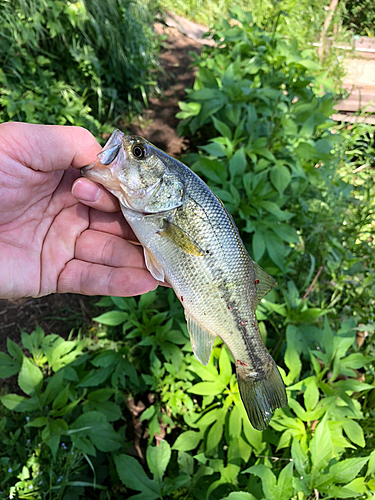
159 122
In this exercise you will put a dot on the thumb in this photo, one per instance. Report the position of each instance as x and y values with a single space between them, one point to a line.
48 147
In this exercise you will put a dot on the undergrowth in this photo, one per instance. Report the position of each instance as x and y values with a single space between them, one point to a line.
128 412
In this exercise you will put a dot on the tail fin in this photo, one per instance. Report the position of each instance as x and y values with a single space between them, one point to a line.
261 396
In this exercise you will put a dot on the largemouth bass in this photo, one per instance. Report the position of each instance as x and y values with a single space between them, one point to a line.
190 240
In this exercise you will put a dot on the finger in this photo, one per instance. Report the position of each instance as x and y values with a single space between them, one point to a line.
92 194
96 279
109 250
48 147
112 223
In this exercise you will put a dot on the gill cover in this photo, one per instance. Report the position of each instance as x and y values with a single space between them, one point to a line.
144 181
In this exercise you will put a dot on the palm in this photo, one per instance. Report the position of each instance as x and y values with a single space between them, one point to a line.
38 236
49 241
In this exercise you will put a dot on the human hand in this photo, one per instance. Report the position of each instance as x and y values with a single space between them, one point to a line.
50 240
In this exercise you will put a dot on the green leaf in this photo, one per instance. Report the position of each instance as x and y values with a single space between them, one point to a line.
158 458
309 64
186 463
208 388
133 476
30 376
235 423
214 435
354 432
240 495
274 209
110 410
38 422
253 437
371 464
285 483
94 425
311 394
222 128
84 445
96 377
300 459
215 149
101 395
225 365
321 446
207 77
276 249
346 470
307 129
14 350
8 366
211 106
292 354
112 318
286 233
268 480
280 177
353 385
259 246
61 399
54 386
187 441
19 403
214 170
237 164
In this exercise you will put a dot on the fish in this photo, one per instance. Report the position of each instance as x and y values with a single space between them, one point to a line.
191 241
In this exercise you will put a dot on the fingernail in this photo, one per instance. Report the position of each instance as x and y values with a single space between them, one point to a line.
85 191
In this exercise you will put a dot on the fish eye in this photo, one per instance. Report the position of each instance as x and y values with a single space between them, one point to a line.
139 151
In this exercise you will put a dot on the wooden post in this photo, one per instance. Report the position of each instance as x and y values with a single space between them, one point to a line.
327 22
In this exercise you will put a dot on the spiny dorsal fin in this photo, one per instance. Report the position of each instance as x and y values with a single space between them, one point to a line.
180 238
153 265
201 340
266 282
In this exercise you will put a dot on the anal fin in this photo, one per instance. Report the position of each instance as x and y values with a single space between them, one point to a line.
153 265
201 340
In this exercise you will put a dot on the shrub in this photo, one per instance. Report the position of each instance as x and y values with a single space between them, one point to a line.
76 62
359 16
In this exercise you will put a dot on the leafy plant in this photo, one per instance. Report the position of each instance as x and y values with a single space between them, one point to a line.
63 62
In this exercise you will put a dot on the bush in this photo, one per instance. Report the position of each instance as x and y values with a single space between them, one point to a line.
359 16
76 62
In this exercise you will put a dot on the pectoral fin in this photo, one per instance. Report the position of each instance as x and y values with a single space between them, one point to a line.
201 340
180 238
153 265
264 282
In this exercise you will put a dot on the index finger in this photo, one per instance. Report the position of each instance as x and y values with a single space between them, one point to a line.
48 147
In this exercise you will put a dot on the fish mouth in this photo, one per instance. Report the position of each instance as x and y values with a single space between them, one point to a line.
108 160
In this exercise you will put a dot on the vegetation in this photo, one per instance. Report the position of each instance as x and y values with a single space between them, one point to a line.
360 17
126 411
79 62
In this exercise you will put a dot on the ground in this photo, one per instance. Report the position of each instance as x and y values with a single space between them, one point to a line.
59 313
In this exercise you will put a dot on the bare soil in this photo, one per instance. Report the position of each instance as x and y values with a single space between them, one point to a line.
59 313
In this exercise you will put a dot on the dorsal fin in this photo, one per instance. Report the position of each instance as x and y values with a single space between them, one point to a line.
266 282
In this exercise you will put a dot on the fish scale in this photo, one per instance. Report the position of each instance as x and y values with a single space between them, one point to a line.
191 241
